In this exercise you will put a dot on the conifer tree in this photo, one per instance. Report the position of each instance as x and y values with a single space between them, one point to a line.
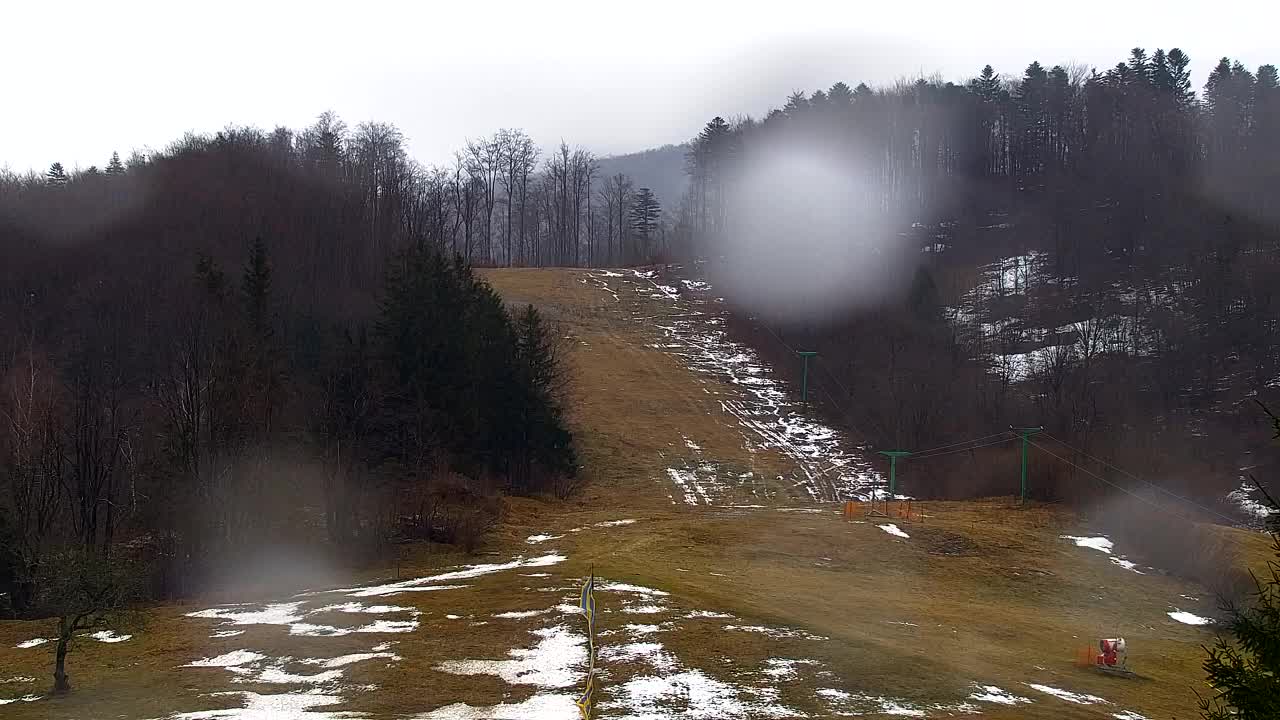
1245 674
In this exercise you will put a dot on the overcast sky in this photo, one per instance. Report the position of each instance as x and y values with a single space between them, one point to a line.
80 79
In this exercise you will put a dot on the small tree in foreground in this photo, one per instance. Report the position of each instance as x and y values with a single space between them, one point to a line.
85 592
1245 674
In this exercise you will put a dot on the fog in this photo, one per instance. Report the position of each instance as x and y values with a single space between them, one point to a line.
85 78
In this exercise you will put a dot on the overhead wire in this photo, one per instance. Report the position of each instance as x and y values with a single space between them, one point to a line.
963 449
1154 486
1098 477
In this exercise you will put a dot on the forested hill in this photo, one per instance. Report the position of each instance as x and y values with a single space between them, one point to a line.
660 169
1094 252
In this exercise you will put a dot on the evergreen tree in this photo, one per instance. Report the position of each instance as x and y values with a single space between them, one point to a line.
115 168
840 96
255 290
56 177
645 214
796 105
1245 674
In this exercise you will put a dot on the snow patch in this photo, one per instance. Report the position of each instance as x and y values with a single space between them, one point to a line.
109 636
466 573
1099 543
776 632
282 706
644 609
535 539
235 658
514 614
24 698
1189 618
697 694
993 694
893 529
1077 698
31 643
637 589
551 663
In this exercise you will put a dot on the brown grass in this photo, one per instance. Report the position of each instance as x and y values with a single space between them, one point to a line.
993 595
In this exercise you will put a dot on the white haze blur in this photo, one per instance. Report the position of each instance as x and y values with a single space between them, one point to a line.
802 245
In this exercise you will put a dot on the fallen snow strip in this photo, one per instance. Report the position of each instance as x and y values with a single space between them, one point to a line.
1077 698
994 694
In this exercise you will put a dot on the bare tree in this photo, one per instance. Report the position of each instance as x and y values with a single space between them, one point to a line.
484 163
519 157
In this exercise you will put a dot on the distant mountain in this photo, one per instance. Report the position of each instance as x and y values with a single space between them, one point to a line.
659 169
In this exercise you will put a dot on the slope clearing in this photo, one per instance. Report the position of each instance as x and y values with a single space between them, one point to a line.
731 586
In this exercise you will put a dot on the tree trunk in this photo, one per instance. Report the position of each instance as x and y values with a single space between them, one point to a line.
61 683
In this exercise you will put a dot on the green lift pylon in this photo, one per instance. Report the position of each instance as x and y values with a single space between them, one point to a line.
804 382
893 456
1026 433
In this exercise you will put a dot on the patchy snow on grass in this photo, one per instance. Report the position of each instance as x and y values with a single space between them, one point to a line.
649 652
615 523
779 669
277 675
893 529
109 636
1128 715
829 468
235 658
688 694
552 663
281 706
709 614
1077 698
225 633
516 614
389 626
19 679
860 703
466 573
994 694
345 660
1243 499
644 609
271 614
625 588
642 629
31 643
545 706
535 539
1189 618
776 633
356 607
1127 564
1099 543
24 698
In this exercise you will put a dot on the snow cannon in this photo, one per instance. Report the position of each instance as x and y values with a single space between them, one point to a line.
1112 656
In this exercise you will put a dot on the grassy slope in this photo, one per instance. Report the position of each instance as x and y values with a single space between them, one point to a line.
1011 607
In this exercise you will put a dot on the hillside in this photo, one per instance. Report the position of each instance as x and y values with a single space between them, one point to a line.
660 169
731 586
